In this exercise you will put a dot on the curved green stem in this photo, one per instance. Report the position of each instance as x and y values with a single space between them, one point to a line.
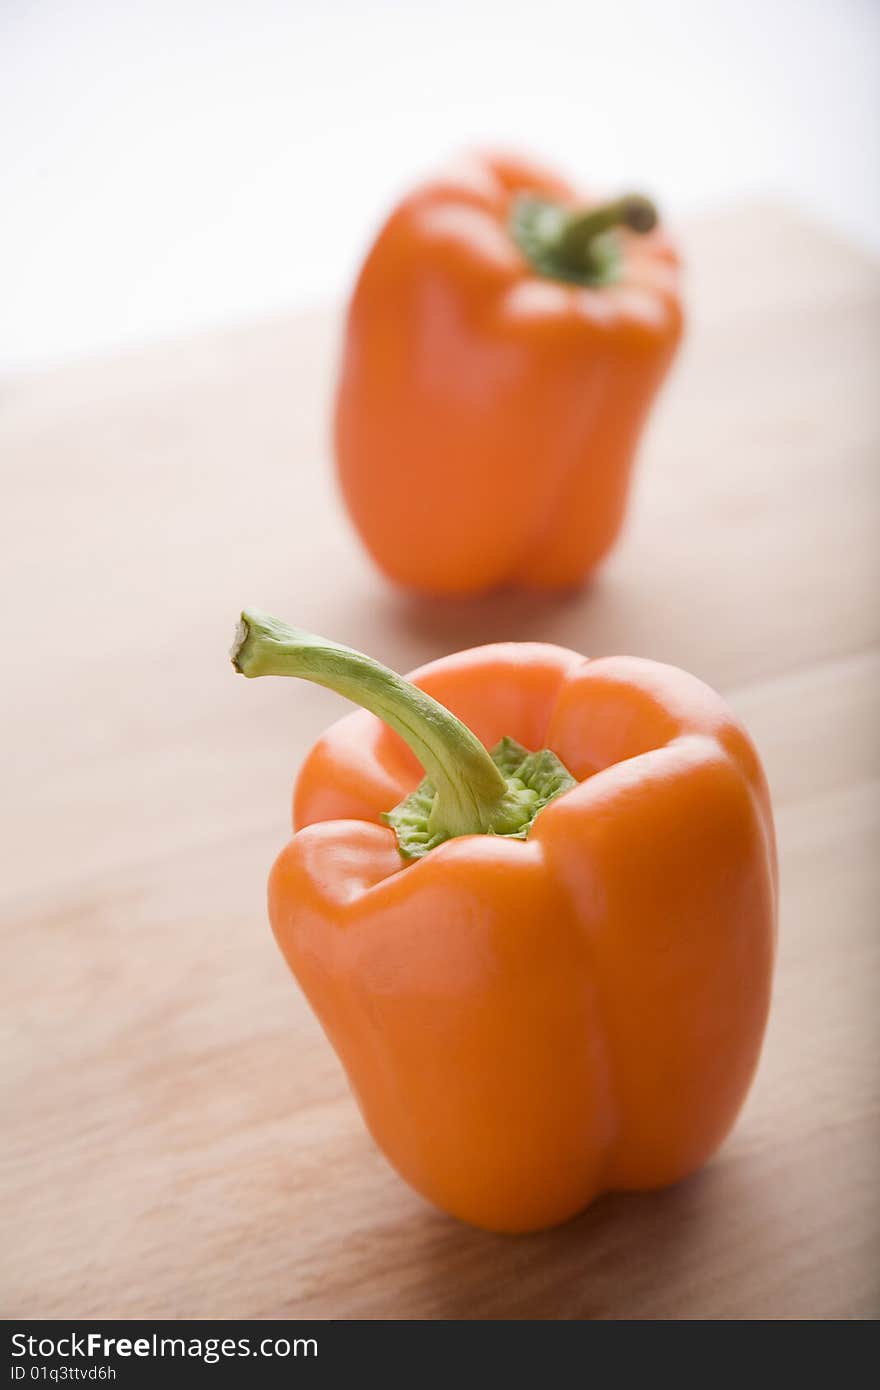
578 243
470 789
576 234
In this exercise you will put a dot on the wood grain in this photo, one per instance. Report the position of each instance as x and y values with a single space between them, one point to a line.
179 1137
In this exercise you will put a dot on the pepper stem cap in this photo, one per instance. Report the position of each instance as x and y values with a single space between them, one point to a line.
466 790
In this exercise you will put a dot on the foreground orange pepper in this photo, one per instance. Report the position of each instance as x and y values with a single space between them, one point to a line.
503 346
528 1022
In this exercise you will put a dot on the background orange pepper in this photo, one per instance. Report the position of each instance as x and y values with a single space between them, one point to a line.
500 358
528 1023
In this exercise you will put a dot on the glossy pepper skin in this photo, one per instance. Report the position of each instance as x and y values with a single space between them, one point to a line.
487 415
529 1023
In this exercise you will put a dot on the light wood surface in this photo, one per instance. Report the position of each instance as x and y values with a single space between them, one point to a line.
179 1140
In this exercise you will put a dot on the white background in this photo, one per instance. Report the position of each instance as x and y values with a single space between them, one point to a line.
167 163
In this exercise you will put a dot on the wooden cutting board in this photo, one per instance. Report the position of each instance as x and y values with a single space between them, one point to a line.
182 1140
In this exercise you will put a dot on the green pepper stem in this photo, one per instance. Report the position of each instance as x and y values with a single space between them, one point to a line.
576 244
469 787
576 234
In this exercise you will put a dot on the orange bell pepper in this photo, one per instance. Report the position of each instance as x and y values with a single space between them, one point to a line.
503 346
546 974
